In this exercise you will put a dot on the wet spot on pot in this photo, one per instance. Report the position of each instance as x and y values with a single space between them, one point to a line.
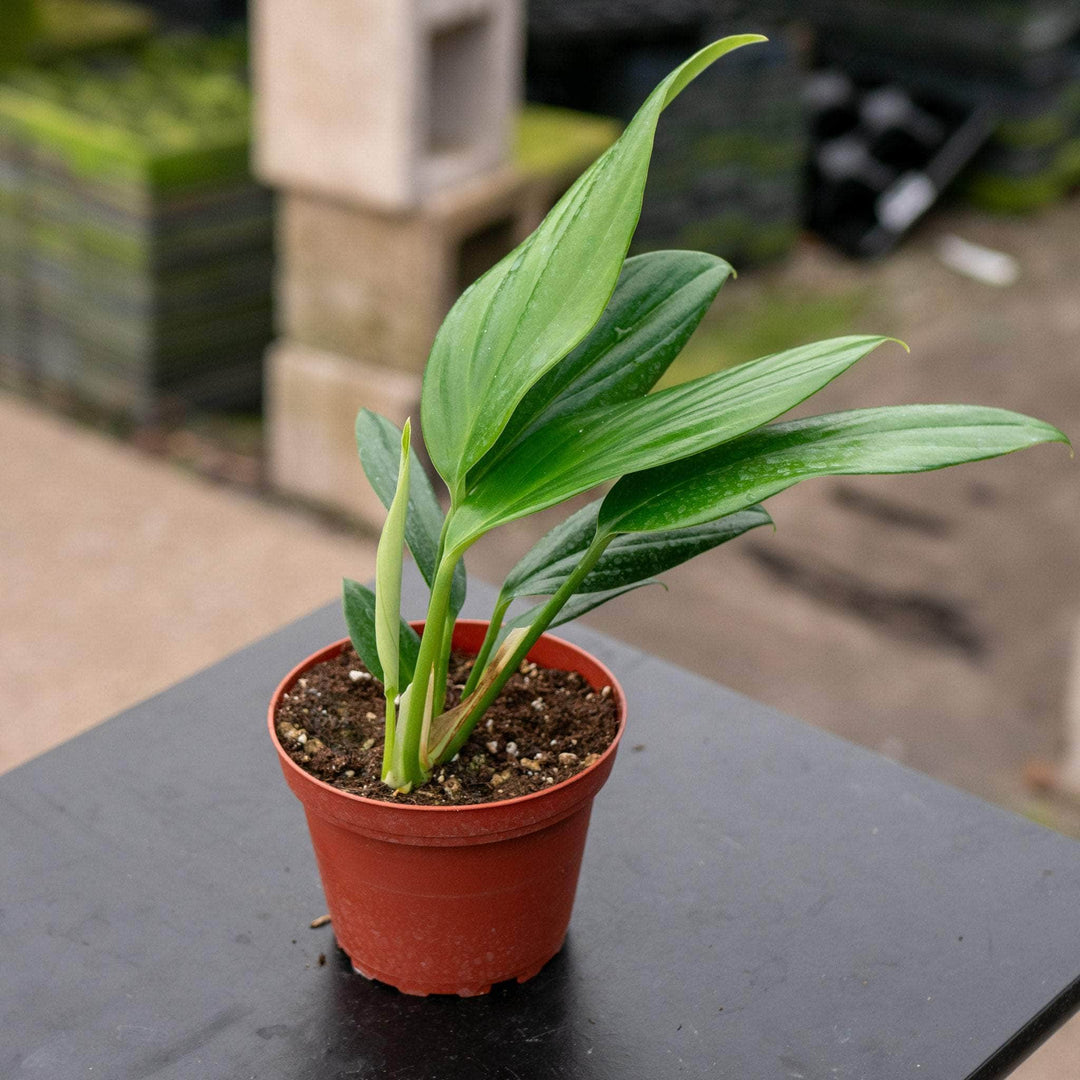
272 1031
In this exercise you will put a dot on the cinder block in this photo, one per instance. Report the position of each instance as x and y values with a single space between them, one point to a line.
384 101
312 398
376 286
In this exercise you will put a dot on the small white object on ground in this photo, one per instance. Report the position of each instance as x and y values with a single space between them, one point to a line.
978 262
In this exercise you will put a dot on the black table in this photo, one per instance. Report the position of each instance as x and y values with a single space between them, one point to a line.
759 900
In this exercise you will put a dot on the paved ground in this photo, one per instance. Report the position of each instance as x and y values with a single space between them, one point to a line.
120 575
929 617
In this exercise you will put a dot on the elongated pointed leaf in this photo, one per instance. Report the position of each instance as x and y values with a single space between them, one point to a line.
637 556
358 602
574 454
567 541
533 307
657 304
579 604
388 574
897 439
378 442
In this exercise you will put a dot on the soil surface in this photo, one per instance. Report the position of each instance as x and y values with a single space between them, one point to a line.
544 727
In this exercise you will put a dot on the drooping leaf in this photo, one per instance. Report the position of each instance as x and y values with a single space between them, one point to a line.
358 602
388 575
579 604
660 299
574 454
636 556
894 439
378 442
568 540
533 307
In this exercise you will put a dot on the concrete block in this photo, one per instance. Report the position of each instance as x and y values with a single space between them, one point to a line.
312 398
376 286
384 101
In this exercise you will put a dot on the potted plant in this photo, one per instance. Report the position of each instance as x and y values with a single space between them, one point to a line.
537 390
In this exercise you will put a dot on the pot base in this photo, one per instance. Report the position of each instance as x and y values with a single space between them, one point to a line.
477 990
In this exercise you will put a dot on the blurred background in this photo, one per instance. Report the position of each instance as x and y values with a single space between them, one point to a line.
226 227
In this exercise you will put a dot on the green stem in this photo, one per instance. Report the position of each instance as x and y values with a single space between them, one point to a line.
442 667
539 625
443 663
494 626
388 737
406 771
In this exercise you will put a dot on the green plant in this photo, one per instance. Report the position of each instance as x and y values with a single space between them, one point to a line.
537 389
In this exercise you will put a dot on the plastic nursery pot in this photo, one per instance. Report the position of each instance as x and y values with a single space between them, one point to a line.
451 899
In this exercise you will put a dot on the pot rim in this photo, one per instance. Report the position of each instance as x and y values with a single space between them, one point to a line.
337 647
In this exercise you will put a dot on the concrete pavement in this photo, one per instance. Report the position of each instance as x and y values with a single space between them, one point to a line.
121 574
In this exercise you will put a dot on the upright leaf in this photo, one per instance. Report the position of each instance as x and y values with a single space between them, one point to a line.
895 439
579 604
575 453
388 577
378 442
660 299
358 603
533 307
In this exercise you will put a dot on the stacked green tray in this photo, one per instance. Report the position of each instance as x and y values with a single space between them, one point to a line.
43 30
1019 38
146 246
1033 158
15 311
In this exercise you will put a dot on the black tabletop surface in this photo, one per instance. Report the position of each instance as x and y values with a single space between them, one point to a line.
759 901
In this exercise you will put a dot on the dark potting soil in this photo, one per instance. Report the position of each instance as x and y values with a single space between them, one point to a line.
544 727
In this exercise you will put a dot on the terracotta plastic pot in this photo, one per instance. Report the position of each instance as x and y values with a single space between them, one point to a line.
451 899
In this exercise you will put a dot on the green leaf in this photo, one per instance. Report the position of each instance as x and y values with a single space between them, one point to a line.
657 304
533 307
568 540
896 439
358 602
388 575
575 453
637 556
378 442
578 605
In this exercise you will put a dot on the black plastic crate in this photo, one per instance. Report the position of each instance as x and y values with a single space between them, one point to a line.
881 157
